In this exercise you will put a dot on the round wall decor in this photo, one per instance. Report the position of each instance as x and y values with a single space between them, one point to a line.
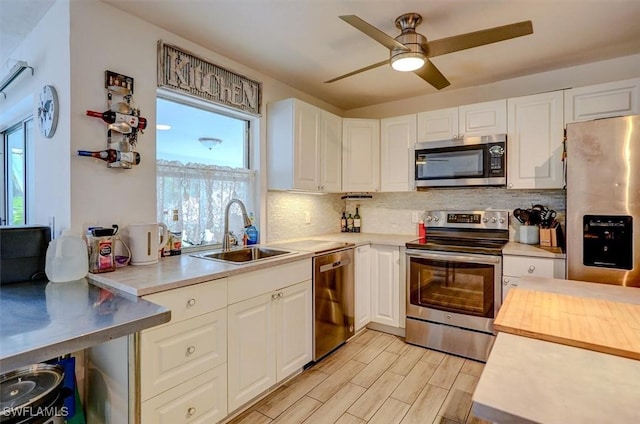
48 111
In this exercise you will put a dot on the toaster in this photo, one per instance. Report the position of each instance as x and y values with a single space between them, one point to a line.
23 250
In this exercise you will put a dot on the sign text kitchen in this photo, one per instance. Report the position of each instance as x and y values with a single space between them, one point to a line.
181 71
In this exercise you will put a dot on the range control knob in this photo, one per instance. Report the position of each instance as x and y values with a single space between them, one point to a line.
501 220
485 220
428 218
494 220
436 219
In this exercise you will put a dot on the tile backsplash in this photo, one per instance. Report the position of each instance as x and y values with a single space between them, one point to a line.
390 213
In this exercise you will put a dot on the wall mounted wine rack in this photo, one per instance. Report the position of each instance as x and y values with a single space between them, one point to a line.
123 120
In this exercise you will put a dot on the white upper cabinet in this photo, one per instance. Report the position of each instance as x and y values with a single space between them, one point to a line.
435 125
617 98
472 120
479 119
360 155
534 141
303 145
397 140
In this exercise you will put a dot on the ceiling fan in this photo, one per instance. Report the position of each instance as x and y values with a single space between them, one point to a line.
410 51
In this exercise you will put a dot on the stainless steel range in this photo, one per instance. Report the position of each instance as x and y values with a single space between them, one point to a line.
454 277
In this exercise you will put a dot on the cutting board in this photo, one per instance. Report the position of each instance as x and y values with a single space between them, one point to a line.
588 323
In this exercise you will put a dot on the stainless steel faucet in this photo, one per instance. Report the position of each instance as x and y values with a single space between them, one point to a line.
245 217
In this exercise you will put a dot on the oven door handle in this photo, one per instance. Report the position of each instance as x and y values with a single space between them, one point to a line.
479 259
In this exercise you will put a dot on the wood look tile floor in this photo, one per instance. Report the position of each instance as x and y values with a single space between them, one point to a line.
375 378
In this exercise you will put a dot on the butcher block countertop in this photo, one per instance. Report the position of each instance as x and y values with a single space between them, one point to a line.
595 324
529 380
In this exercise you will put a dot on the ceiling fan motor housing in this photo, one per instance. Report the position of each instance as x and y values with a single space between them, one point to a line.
412 41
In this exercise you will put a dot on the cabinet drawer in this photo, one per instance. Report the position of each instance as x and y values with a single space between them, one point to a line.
517 266
191 301
256 283
202 399
179 352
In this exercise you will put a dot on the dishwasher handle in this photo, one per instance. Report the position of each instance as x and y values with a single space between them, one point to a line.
335 265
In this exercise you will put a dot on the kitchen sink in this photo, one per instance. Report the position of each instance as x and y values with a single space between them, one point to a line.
244 255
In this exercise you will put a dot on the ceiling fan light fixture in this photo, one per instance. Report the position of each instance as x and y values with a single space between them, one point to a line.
407 61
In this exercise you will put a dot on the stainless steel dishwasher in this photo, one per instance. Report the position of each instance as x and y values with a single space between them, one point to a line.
333 293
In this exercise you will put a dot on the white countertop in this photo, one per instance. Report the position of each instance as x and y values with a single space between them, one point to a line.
527 380
180 271
521 249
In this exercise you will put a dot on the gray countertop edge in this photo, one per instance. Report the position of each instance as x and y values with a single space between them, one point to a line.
82 341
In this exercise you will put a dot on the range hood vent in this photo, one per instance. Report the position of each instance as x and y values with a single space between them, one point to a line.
357 196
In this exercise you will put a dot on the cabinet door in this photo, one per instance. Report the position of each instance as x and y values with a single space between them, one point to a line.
534 141
251 354
331 153
435 125
385 285
619 98
397 140
306 171
507 284
486 118
362 276
360 155
294 320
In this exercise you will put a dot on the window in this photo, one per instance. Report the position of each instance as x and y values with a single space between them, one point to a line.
13 189
202 163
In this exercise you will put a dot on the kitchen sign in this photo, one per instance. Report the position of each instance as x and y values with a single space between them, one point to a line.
186 73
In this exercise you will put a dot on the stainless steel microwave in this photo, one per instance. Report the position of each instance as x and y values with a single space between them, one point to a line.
472 161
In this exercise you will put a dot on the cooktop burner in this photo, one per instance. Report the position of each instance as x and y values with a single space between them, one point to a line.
489 247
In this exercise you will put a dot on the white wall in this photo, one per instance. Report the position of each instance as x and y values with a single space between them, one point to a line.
71 48
46 48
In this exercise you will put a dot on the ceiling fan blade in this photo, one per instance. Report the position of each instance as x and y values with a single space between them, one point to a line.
477 38
432 75
373 32
366 68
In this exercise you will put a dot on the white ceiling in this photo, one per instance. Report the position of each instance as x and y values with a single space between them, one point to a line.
303 43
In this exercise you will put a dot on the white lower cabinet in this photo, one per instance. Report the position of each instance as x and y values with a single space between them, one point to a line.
514 267
385 285
270 339
200 400
362 277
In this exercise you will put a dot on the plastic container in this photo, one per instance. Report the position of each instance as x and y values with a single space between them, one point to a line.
252 234
66 259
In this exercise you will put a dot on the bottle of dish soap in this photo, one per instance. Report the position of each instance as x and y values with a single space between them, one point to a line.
67 258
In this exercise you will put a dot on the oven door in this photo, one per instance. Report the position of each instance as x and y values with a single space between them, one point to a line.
463 290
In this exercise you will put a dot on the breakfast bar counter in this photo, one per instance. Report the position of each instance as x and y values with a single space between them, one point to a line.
526 380
43 320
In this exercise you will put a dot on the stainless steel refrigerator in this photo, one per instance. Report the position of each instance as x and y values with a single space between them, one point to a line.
603 201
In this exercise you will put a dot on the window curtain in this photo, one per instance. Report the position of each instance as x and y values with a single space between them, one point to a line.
201 193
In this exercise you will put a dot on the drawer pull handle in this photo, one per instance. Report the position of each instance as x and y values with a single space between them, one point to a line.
191 302
274 296
191 350
448 316
280 295
531 269
506 281
191 411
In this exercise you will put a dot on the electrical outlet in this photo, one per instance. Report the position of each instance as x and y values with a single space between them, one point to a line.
414 217
307 217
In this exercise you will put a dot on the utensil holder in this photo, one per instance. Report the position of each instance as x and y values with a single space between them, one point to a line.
529 234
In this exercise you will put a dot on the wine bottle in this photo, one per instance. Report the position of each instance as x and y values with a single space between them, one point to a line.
350 223
111 117
175 229
112 155
343 223
356 221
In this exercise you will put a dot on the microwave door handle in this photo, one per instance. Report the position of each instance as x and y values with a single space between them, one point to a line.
480 259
